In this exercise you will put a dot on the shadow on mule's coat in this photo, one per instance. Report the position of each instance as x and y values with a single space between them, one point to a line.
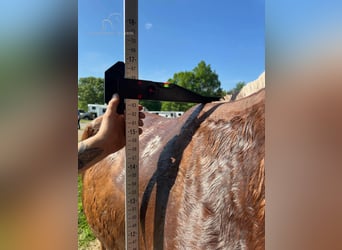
201 180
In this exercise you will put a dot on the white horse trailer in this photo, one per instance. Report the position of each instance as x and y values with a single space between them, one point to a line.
97 109
168 114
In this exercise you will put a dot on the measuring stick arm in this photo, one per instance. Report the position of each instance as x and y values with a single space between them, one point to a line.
146 90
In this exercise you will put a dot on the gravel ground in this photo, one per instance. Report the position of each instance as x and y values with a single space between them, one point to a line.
93 245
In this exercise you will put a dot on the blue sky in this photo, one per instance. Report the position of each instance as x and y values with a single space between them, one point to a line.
175 35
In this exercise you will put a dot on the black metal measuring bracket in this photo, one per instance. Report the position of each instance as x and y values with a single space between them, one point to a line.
146 90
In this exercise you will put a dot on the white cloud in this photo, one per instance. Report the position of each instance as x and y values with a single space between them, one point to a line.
148 26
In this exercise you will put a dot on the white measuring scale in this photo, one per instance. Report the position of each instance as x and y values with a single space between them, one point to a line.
132 128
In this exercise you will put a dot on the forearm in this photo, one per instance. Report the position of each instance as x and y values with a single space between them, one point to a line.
90 151
109 139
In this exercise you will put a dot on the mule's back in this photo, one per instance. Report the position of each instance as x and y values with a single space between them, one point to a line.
201 181
218 199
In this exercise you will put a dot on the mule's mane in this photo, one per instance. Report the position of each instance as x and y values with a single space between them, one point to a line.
240 99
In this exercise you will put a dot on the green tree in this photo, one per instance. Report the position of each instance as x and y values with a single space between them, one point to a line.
90 90
184 79
206 80
202 80
151 105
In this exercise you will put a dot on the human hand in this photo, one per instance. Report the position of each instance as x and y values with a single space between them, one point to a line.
109 139
112 130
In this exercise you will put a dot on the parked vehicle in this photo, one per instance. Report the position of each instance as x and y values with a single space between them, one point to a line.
85 115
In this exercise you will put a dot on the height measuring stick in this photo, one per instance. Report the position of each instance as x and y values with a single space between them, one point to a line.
132 128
